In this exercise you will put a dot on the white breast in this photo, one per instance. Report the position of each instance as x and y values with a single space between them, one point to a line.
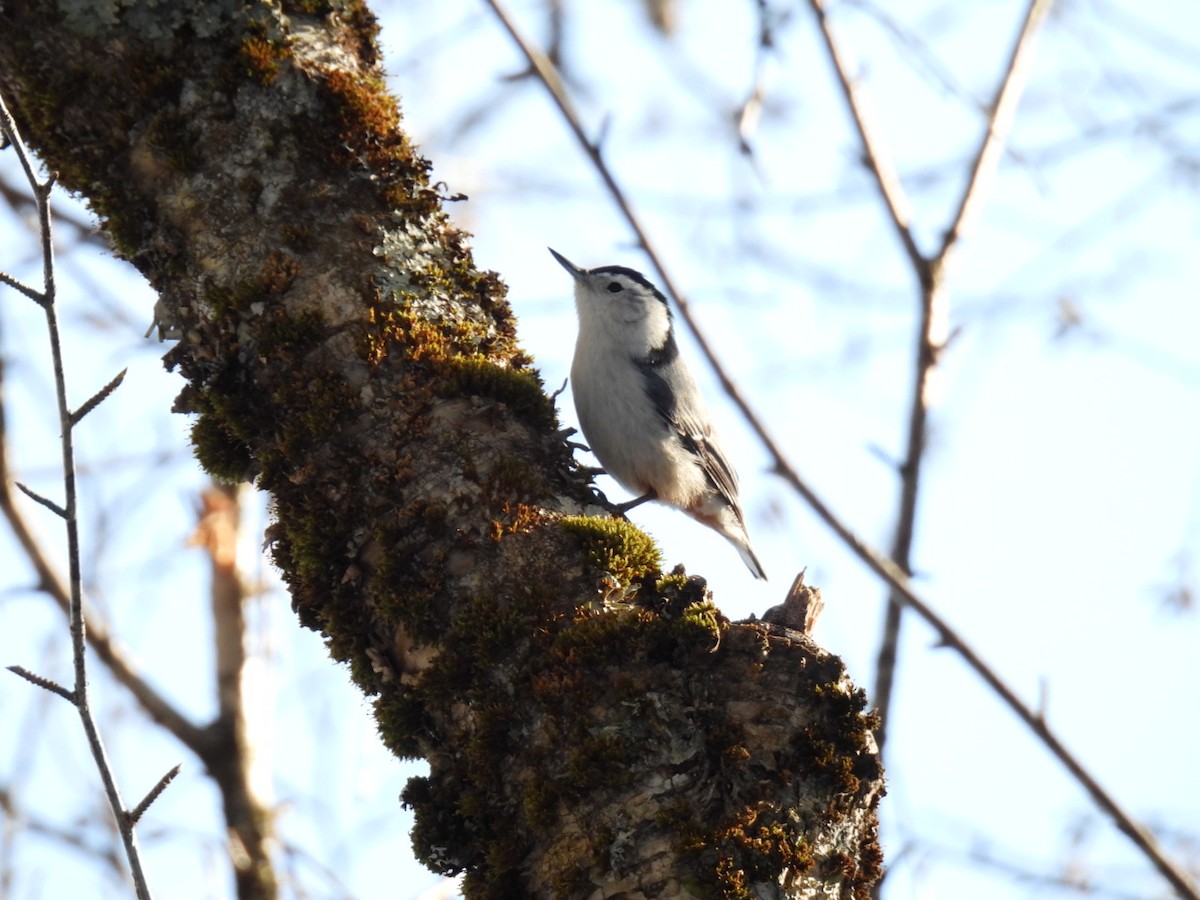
629 438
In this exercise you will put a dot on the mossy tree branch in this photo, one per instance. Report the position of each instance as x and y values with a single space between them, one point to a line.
593 727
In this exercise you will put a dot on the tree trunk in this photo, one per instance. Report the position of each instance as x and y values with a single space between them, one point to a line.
594 728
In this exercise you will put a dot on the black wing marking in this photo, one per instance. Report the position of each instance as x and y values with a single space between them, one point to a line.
688 421
653 367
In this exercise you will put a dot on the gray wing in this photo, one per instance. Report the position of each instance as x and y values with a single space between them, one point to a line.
663 367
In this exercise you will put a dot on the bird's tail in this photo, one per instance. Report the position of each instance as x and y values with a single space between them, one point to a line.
726 520
730 524
742 542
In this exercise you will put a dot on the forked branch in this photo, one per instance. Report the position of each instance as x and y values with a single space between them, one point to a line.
69 512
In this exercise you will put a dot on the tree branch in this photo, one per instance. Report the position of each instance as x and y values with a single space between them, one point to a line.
230 753
106 648
45 683
933 331
69 512
996 128
877 162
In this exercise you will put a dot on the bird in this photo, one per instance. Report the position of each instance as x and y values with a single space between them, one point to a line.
639 408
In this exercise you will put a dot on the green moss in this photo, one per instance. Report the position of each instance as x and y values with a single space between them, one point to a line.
673 582
486 631
701 623
459 350
400 719
539 805
438 826
362 672
607 638
368 119
570 881
513 477
615 546
220 453
520 389
405 589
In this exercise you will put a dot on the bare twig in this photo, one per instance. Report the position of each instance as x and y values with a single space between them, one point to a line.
38 498
931 341
224 745
876 160
135 814
106 649
45 683
888 571
41 190
998 125
934 308
99 639
99 397
22 288
77 835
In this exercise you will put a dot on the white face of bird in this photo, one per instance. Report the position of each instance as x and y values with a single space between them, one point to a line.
620 304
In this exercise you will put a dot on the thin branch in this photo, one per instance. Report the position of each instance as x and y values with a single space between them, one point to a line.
888 571
999 124
99 639
932 333
76 837
23 288
898 581
99 397
41 190
876 160
217 745
103 645
38 498
135 814
45 683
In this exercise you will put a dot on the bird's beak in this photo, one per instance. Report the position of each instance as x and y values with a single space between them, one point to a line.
575 271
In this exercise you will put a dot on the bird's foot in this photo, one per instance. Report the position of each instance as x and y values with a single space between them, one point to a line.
625 507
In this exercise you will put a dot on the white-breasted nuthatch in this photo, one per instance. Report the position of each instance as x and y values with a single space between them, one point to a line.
639 407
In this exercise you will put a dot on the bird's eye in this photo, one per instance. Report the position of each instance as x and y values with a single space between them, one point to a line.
614 287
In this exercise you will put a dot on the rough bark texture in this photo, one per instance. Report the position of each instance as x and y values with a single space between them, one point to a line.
594 728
